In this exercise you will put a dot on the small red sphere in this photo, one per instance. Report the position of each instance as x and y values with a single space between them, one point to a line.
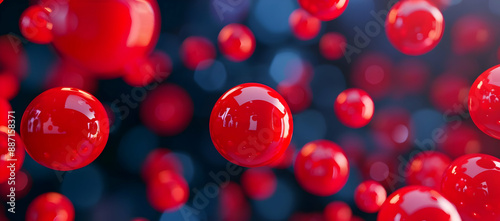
332 45
369 196
372 72
251 125
259 183
236 42
449 91
472 34
338 211
325 10
156 68
427 169
167 191
461 140
49 207
9 139
354 108
233 205
35 25
471 183
65 128
167 110
391 128
321 168
9 85
417 203
298 96
304 25
414 27
159 160
197 53
22 184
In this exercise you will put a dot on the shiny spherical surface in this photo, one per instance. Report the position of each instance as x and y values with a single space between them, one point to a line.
416 203
35 25
115 33
304 26
337 211
354 108
167 190
325 10
427 169
321 168
236 42
471 183
159 160
197 53
259 183
9 140
414 27
50 207
251 125
65 128
369 196
484 102
332 45
167 110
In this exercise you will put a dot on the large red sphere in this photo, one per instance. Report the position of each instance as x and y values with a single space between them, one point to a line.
325 10
369 196
50 207
304 26
251 125
11 152
472 183
427 169
354 108
167 190
65 128
484 103
321 168
236 42
414 27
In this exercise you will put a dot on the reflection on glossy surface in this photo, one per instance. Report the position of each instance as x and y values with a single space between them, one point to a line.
415 203
325 10
414 27
65 128
236 42
304 26
484 102
354 108
369 196
35 25
6 157
251 125
427 168
49 207
472 183
321 168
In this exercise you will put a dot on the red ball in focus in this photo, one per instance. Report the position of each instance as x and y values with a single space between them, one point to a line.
233 205
414 27
338 211
65 128
236 42
472 184
427 169
251 125
197 53
11 148
332 45
259 183
49 207
298 96
417 203
167 191
369 196
354 108
325 10
156 68
167 110
372 72
321 168
304 26
35 25
159 160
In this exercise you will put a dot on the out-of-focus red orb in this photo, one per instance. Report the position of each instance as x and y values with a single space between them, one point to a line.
259 183
65 74
159 160
304 26
298 96
11 148
233 206
372 72
369 196
354 108
391 128
167 191
197 53
427 169
286 160
325 10
472 34
449 91
49 207
236 42
35 25
156 68
460 140
337 211
332 45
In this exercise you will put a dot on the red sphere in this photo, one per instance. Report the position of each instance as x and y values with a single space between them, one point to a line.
259 183
372 72
472 34
167 110
167 191
4 109
35 25
449 91
251 125
304 25
354 108
49 207
236 42
427 169
13 58
321 168
9 140
159 160
332 45
9 85
65 128
411 77
414 203
369 196
392 129
484 103
22 184
156 68
461 140
197 53
325 10
116 33
471 183
233 206
297 95
338 211
414 27
65 74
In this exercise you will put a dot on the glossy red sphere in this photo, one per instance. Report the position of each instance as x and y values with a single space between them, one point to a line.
372 72
354 108
332 45
4 109
167 191
233 205
251 125
472 184
338 211
427 169
472 34
65 74
159 160
65 128
197 53
415 203
448 91
369 196
11 152
259 183
155 68
35 25
484 102
304 26
325 10
167 110
321 168
298 96
50 207
414 27
116 33
236 42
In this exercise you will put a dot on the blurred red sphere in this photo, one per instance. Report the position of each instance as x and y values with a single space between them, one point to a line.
411 77
236 42
233 206
167 191
372 72
35 25
22 183
4 109
49 207
369 196
286 160
460 140
65 74
11 148
354 108
259 183
427 169
449 91
332 45
304 26
156 68
13 58
197 53
325 10
391 128
9 85
472 34
159 160
298 96
337 211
